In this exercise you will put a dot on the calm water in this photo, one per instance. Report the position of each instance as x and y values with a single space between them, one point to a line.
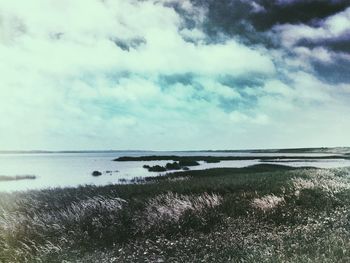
73 169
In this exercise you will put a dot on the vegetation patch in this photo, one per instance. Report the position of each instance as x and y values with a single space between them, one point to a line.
181 165
267 202
96 173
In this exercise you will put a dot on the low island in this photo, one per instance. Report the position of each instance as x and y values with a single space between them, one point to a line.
16 177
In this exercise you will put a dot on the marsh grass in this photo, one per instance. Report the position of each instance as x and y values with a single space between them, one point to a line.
263 213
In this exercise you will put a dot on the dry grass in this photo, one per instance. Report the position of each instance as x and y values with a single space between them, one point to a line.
46 232
325 180
267 202
171 207
11 222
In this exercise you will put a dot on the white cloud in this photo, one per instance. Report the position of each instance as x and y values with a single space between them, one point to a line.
85 40
277 87
65 83
241 118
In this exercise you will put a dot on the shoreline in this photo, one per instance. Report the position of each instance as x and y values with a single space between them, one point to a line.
6 178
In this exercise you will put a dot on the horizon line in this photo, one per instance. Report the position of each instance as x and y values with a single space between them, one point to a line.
203 150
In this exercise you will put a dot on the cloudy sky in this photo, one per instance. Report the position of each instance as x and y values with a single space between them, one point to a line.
174 74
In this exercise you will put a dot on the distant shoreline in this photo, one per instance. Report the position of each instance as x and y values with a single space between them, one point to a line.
330 150
5 178
223 158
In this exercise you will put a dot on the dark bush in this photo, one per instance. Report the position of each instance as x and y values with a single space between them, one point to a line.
188 163
157 168
212 161
173 166
96 173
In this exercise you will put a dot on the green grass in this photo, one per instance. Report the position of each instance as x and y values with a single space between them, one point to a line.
263 213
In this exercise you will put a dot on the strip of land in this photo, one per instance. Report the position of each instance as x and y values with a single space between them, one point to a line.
224 158
16 177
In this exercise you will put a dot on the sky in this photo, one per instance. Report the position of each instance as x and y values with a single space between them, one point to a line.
174 74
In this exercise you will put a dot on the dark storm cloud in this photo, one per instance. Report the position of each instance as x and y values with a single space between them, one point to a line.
294 12
336 44
248 18
254 23
266 23
335 72
233 18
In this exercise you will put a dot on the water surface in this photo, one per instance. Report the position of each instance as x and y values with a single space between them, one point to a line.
73 169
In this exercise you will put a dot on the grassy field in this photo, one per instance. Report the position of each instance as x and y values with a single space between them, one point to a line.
264 213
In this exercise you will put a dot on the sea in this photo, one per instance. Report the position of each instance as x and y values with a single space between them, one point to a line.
72 169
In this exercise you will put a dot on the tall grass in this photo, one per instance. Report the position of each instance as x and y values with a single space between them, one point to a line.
172 210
